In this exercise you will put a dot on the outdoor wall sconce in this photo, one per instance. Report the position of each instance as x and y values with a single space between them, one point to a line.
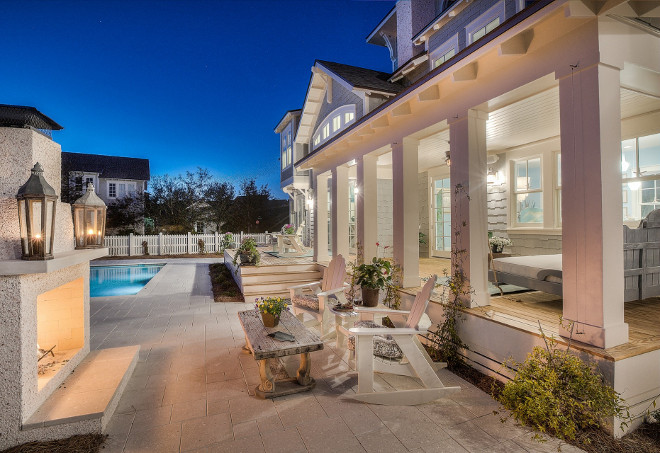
89 220
36 216
447 158
491 178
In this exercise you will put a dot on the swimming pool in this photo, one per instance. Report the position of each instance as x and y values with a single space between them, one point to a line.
120 280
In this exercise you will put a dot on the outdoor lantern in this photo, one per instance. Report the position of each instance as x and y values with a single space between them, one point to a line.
36 216
89 220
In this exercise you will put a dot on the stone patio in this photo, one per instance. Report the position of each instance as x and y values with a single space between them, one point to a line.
193 387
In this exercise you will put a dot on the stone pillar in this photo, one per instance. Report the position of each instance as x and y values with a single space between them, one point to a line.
340 211
592 243
367 205
405 209
321 219
469 211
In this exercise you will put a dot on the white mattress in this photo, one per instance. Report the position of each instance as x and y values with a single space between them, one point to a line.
539 267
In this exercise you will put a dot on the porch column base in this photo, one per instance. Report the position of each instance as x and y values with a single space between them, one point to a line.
601 337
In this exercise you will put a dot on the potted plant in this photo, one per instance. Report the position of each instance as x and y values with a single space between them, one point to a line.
288 229
372 277
227 241
497 244
247 252
270 308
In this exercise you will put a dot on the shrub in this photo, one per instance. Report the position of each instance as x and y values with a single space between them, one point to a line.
555 391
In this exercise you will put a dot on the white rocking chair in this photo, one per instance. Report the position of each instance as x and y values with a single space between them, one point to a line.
288 242
403 345
317 303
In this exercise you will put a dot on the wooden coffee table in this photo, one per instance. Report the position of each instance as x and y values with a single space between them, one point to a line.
264 347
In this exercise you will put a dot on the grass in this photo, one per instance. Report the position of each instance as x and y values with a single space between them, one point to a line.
85 443
225 288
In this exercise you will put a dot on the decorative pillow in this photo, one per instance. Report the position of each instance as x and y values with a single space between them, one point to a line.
306 300
384 346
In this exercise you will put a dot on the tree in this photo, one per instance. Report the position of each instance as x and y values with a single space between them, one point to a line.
220 202
125 214
249 206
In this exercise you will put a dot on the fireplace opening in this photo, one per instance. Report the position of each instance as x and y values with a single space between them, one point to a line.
60 328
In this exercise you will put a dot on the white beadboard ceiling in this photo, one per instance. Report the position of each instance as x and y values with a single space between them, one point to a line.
528 120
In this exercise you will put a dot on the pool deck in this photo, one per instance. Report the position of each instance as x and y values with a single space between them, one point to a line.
193 388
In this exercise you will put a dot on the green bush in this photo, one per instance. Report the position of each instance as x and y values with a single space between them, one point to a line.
555 391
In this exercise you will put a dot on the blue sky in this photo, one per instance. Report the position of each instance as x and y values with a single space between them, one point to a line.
182 83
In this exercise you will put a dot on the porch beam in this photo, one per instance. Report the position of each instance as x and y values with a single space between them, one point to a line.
367 205
340 211
405 209
469 211
592 242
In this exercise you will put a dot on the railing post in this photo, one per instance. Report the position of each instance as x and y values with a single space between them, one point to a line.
160 243
130 244
189 243
216 239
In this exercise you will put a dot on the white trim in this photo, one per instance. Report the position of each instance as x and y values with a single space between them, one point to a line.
513 205
496 11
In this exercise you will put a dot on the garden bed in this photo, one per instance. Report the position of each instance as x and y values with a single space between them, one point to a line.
225 288
86 443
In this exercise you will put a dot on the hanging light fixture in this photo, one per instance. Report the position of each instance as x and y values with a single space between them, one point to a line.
89 220
36 216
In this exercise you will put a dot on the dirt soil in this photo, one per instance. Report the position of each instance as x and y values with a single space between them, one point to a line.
87 443
225 288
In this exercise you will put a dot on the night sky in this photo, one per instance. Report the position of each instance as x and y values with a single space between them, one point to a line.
182 83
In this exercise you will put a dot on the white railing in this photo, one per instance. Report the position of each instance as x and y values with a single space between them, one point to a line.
176 244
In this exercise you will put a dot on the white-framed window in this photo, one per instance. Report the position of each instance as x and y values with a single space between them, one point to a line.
112 190
444 52
485 23
338 119
640 171
527 187
287 147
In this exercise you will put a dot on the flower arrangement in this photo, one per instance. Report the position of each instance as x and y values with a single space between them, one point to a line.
247 252
288 229
270 308
498 243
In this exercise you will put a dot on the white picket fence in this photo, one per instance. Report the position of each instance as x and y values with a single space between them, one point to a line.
176 244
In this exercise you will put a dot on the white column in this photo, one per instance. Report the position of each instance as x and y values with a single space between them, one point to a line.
367 205
469 213
592 242
321 219
405 210
340 211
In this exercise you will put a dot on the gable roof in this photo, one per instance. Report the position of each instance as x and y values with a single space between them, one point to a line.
107 166
21 116
286 119
367 79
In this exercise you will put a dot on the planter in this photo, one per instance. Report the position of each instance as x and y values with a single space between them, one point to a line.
497 248
370 297
270 320
248 259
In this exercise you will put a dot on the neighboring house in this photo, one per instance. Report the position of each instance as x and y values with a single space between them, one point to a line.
537 121
114 178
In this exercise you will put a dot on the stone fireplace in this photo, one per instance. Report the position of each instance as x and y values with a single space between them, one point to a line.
44 314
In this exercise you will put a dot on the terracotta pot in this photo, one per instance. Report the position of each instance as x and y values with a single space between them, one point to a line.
370 297
270 320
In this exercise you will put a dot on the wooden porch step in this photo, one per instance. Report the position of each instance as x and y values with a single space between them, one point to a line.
90 394
278 269
257 279
283 285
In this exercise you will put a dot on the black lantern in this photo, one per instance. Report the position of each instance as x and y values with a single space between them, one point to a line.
89 220
36 216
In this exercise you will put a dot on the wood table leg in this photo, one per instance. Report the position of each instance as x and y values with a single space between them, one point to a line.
267 382
303 376
246 347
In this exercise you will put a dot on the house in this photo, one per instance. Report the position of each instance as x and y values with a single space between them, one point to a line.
114 178
536 121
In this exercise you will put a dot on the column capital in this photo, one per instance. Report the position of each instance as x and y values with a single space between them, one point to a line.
464 115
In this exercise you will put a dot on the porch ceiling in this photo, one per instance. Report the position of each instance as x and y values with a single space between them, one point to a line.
526 120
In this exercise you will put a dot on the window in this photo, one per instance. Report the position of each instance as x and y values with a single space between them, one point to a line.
286 148
640 170
339 119
112 190
528 191
78 184
122 190
88 181
485 23
438 61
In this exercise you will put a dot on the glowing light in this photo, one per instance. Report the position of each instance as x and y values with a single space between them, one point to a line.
37 236
356 191
90 231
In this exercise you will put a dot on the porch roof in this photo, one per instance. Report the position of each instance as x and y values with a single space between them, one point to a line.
21 116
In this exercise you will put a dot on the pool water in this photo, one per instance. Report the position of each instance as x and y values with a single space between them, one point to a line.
120 280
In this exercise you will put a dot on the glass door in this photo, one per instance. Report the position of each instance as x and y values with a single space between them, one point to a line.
441 218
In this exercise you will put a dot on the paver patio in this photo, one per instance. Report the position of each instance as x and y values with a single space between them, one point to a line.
193 387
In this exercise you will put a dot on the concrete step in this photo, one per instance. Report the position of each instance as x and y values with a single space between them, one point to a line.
257 279
91 393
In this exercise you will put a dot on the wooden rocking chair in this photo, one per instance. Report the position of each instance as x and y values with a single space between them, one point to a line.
288 242
396 351
317 303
